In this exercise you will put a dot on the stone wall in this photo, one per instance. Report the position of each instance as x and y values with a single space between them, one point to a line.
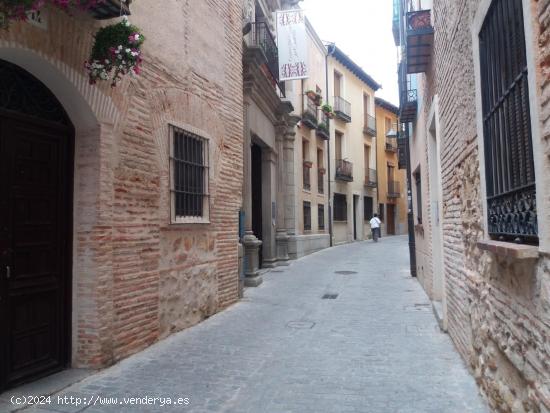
498 309
138 278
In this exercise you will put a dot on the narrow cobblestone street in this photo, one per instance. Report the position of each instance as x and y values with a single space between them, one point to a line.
376 347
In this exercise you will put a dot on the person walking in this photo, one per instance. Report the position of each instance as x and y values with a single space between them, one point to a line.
375 227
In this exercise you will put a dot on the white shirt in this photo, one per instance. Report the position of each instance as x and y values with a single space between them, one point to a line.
375 222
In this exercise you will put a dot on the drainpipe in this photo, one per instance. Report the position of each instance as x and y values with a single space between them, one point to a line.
330 52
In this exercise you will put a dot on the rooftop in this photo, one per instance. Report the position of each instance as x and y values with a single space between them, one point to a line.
353 67
386 105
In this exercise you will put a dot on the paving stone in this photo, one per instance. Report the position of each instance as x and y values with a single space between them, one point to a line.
376 348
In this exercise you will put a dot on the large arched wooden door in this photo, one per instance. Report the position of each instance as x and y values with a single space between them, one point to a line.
36 141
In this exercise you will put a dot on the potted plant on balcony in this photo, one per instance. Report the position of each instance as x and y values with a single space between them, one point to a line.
315 97
115 53
327 110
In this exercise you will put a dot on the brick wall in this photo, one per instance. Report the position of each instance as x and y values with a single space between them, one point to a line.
136 277
498 310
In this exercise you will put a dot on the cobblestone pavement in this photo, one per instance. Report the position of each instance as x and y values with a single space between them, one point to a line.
376 347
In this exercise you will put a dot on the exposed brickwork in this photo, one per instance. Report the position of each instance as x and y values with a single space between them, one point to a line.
498 307
138 278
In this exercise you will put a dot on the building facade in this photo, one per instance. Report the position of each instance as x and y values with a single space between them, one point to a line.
311 232
352 145
392 179
473 87
105 247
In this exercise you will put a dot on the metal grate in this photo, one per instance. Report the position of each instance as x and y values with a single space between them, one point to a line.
510 173
345 272
329 296
190 173
307 216
321 217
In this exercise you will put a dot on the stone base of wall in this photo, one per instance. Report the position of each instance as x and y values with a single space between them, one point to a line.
302 245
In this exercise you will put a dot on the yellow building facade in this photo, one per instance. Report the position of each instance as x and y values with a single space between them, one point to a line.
392 181
352 147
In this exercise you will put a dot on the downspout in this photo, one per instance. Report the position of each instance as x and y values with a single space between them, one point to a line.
330 51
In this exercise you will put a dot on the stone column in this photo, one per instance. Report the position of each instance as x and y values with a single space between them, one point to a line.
252 277
290 175
281 237
269 196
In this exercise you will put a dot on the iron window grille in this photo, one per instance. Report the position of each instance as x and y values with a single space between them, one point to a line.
418 183
321 217
509 164
189 176
340 207
368 207
307 216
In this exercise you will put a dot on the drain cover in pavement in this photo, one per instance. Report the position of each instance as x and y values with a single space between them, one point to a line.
301 325
345 272
330 296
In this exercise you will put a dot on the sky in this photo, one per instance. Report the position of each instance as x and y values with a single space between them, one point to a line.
362 29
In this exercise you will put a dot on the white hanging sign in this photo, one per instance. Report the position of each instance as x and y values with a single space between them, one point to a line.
292 44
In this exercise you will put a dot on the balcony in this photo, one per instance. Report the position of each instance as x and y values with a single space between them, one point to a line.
309 116
109 9
342 109
420 39
323 130
396 21
402 152
409 106
321 180
371 178
307 175
370 125
260 37
344 170
391 145
394 189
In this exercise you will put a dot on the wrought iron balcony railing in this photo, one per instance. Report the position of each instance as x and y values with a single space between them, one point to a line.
307 175
370 125
109 9
408 106
371 178
344 170
310 114
323 130
321 181
391 144
261 37
342 109
394 189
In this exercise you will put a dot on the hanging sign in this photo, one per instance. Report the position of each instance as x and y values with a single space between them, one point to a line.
291 40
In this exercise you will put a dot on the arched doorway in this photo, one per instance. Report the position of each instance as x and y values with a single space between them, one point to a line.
36 173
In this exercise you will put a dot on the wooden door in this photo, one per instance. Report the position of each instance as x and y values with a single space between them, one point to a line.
35 246
390 219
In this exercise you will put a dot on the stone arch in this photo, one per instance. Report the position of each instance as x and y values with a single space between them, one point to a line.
94 116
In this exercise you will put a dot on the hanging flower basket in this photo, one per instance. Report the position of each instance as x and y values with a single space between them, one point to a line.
115 53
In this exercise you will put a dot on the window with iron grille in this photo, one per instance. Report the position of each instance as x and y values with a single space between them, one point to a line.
418 184
307 216
369 208
189 176
509 165
340 207
321 217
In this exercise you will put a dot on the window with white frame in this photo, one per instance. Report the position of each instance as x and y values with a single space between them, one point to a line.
507 140
189 176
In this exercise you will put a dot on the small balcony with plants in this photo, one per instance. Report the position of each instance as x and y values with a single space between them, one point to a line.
312 101
408 105
394 189
342 109
371 178
323 128
391 145
369 127
344 170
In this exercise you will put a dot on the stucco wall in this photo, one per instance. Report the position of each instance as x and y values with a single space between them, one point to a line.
137 278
